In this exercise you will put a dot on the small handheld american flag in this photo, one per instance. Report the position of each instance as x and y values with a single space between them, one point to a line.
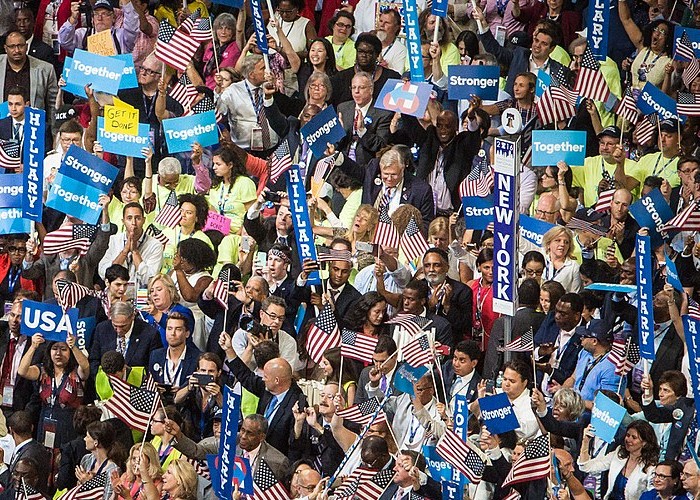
280 161
386 234
169 214
221 287
413 242
70 237
418 351
9 154
323 334
364 413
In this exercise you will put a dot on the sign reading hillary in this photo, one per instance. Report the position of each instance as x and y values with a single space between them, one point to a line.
88 169
652 212
11 191
180 133
75 198
652 100
692 336
33 179
129 78
102 72
478 211
498 414
302 222
123 144
11 221
259 25
694 37
465 81
322 129
227 441
413 43
550 146
598 14
505 249
532 229
47 319
645 298
408 98
606 417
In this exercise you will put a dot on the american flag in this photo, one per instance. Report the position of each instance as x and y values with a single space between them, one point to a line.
347 490
26 492
69 294
265 484
524 343
364 412
357 346
691 72
464 456
200 467
169 214
386 234
323 334
280 161
93 489
684 47
479 182
555 105
176 47
413 242
372 488
325 254
533 464
412 323
604 200
693 309
646 128
627 108
513 495
688 104
624 355
156 233
184 92
221 287
323 167
582 225
132 405
9 154
418 351
591 82
69 237
202 31
687 220
203 105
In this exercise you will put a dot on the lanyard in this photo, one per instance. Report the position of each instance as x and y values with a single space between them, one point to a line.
664 167
257 106
172 378
651 64
163 453
588 369
340 50
55 390
149 107
12 279
291 27
101 466
479 300
223 199
386 51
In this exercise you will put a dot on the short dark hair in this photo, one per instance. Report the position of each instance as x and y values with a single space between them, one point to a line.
17 90
112 362
116 271
440 252
520 367
369 39
70 127
265 351
470 348
529 292
20 422
180 317
676 381
338 15
210 356
133 204
385 344
420 286
574 299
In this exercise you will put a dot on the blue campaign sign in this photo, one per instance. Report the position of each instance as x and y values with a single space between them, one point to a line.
550 146
672 275
259 25
33 178
612 287
406 376
11 221
465 81
301 220
413 43
408 98
48 320
451 491
438 469
75 198
498 414
129 77
543 82
606 417
478 212
693 36
323 129
439 8
104 73
11 191
88 169
75 89
692 340
180 133
84 328
645 298
4 109
123 144
231 3
652 212
652 100
533 230
598 14
227 442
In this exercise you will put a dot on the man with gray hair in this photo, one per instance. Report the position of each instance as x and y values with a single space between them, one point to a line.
244 103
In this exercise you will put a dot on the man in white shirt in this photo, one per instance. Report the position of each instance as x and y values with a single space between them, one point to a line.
393 50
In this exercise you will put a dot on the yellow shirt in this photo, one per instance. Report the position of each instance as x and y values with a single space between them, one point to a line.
591 173
228 252
231 200
654 164
344 54
165 13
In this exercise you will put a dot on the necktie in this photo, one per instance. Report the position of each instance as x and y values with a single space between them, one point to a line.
386 198
262 119
18 132
121 345
334 294
302 160
383 384
282 240
357 124
272 405
7 362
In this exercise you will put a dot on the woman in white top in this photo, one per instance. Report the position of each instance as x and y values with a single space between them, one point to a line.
630 466
298 30
559 252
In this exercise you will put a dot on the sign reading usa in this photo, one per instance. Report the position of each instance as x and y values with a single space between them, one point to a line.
550 146
465 81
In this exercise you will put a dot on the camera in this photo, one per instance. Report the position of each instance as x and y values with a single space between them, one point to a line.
272 197
85 8
249 324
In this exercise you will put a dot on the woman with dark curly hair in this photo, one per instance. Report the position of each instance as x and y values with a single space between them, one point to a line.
191 265
194 211
368 315
654 46
232 191
630 467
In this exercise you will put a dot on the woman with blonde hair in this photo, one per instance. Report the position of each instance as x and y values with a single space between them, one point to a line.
558 247
179 482
163 300
130 485
364 225
440 236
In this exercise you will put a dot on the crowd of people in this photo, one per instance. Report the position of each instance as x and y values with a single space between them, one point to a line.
155 287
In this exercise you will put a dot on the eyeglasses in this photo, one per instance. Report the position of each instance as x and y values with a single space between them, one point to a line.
317 86
687 171
532 272
343 25
16 46
100 15
17 249
686 474
662 476
274 317
147 71
156 421
543 212
660 31
311 487
546 175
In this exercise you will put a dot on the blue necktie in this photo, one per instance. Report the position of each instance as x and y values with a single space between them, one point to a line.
272 405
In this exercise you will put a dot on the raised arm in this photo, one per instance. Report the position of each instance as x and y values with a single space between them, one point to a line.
26 369
633 31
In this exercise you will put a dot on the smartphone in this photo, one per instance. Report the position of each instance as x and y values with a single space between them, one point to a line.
500 35
490 387
261 258
245 244
203 379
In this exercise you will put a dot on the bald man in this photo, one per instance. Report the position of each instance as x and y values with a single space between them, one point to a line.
276 389
306 482
548 207
622 227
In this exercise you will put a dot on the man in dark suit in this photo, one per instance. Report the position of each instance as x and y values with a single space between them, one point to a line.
132 337
387 185
20 427
685 193
518 59
24 480
12 126
460 375
414 300
405 480
25 22
377 379
366 127
277 390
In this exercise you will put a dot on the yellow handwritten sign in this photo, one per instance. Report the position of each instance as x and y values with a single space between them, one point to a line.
102 43
121 104
122 120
